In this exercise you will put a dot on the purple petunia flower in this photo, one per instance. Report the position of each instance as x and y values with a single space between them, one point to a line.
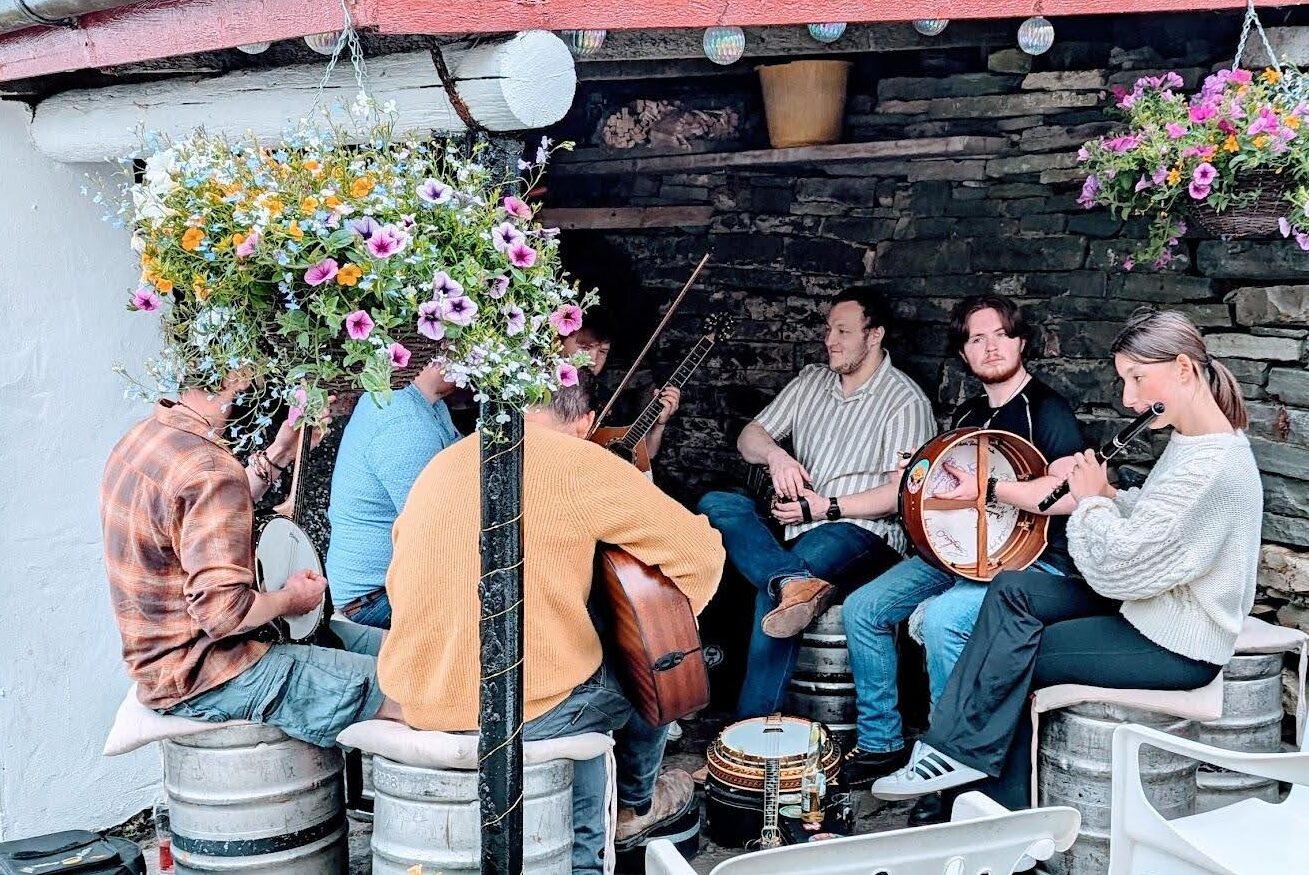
522 255
365 227
516 207
145 300
567 374
1160 175
442 285
435 192
566 319
1142 184
1302 240
1205 174
1202 112
429 320
458 310
359 325
499 285
398 354
322 272
1284 226
1119 145
1090 189
1175 131
504 236
246 247
517 320
1197 191
386 242
408 222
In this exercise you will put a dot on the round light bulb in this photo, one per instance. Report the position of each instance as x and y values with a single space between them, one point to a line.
323 43
930 26
724 45
1035 35
254 48
583 43
826 33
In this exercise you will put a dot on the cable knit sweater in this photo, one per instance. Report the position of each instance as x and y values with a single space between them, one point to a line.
1182 551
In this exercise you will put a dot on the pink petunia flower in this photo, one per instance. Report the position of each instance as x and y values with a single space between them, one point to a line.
359 325
499 285
1284 226
1202 112
429 320
515 207
567 374
435 192
566 319
1128 263
144 300
505 236
1302 240
459 310
1204 174
1119 145
322 272
1160 175
398 354
246 247
1241 77
385 243
442 285
299 401
1142 184
1197 191
1175 131
517 320
1090 189
522 255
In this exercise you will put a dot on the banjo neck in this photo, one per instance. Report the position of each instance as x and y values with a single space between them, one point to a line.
291 508
771 836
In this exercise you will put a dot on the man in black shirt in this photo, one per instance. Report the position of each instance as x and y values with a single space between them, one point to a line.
990 334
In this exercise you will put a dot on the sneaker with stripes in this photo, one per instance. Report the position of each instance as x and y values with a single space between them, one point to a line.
928 771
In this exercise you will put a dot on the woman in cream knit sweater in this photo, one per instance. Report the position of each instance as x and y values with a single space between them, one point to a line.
1168 575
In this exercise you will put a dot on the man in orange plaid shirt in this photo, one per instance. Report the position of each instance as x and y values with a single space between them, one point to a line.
178 512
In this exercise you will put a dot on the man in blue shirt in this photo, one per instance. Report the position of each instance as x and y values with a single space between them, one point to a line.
383 450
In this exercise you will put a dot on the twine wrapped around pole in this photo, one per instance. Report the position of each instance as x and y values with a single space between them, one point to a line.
500 748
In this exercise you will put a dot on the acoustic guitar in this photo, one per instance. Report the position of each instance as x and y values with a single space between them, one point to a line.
628 441
652 638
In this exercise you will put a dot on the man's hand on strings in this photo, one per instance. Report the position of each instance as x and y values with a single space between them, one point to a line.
790 479
670 397
791 512
282 450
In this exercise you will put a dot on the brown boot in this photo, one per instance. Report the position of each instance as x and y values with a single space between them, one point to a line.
674 793
803 598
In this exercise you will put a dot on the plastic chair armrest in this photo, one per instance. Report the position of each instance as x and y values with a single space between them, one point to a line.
972 805
662 858
1292 767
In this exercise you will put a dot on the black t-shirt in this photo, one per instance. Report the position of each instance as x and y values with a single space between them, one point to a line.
1042 416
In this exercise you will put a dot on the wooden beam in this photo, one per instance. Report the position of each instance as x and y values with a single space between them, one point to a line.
523 83
926 147
165 28
596 218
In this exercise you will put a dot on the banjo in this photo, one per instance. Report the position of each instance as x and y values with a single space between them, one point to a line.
969 537
284 548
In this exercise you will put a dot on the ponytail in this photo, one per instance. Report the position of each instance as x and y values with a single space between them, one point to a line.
1227 392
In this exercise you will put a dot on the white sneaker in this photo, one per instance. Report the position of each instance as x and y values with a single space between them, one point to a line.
928 771
674 731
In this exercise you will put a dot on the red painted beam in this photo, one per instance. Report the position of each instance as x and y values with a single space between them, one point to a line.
178 27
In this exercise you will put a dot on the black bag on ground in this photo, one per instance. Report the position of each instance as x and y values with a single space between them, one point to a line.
72 851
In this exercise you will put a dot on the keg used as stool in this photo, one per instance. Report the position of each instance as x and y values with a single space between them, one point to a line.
431 818
1075 769
822 685
1251 722
252 799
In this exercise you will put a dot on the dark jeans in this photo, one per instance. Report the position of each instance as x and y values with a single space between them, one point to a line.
841 553
373 610
1037 630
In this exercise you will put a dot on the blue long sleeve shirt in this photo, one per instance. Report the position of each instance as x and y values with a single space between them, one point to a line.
383 450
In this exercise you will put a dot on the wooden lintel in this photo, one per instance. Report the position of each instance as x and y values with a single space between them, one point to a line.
926 147
594 218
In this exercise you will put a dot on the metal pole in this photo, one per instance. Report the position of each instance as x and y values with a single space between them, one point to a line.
500 748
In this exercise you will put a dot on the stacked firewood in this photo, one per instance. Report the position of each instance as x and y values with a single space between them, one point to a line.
665 123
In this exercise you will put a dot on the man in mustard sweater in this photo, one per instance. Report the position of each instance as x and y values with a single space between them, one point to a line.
575 496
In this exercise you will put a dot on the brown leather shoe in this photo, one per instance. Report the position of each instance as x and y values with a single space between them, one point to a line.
674 793
802 599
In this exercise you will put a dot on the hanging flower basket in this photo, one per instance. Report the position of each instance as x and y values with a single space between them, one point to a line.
1259 201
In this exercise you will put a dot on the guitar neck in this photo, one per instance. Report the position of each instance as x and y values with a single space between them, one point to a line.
650 415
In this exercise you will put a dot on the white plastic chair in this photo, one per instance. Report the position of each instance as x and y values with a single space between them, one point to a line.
982 836
1251 837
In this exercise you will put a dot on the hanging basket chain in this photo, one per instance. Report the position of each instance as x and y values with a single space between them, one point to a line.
348 37
1252 22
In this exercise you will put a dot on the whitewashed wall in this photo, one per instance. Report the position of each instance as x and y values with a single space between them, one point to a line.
64 277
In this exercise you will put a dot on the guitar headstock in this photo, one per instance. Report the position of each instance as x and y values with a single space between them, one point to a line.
720 326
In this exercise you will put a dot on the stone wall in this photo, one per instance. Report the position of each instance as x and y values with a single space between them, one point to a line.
928 230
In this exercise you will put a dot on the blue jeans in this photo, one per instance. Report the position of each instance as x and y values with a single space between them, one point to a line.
839 552
375 611
871 614
598 705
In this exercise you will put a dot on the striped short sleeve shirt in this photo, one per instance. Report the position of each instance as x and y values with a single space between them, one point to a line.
850 444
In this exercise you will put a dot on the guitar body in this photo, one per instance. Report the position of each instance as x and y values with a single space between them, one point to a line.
611 438
652 637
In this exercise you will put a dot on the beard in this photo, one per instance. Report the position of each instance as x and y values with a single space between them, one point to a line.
994 376
849 366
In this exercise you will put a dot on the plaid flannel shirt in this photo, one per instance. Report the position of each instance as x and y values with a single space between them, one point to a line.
177 516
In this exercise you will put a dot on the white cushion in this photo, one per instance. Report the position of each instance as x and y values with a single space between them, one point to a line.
135 725
1205 703
429 749
1258 636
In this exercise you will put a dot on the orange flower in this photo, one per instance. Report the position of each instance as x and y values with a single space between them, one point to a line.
192 239
1173 176
308 205
164 286
1271 76
1292 122
349 274
274 207
362 186
312 166
1230 144
238 238
200 287
1261 141
331 202
294 230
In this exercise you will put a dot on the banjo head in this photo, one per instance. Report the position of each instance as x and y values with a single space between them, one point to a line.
738 755
283 549
946 532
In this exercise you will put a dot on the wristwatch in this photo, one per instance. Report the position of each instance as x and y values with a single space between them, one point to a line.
833 510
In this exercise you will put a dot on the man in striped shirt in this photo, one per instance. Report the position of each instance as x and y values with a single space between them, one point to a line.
849 421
